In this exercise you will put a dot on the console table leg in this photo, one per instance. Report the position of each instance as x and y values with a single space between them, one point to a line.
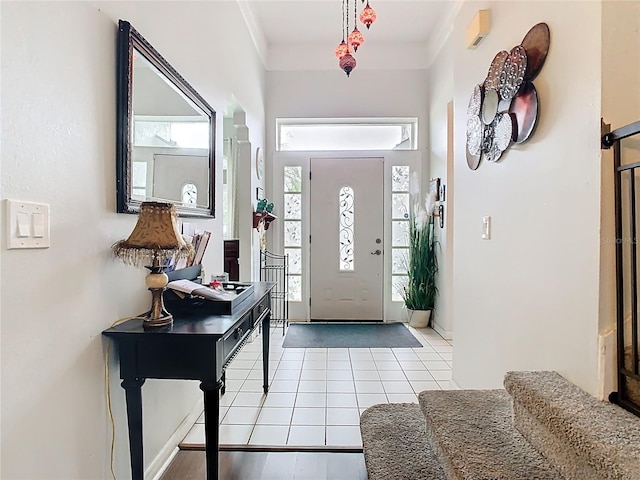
266 325
133 394
212 426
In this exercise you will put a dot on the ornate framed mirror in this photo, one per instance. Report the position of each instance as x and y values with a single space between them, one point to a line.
165 133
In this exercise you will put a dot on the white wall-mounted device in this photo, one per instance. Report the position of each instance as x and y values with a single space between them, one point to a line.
478 29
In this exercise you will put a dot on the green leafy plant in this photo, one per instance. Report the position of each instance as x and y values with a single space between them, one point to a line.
421 290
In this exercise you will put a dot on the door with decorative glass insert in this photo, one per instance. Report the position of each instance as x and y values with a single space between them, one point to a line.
346 224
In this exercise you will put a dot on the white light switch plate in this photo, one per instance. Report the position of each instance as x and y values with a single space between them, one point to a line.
27 224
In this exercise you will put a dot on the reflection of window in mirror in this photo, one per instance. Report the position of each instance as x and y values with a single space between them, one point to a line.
229 176
139 180
189 194
172 133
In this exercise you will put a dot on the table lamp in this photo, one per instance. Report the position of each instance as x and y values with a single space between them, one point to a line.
154 241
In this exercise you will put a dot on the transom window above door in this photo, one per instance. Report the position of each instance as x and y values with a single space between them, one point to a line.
321 134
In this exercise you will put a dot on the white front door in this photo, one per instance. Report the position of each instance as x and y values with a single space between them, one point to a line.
346 220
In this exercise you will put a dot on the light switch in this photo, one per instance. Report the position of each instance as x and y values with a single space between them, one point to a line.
27 224
23 224
38 224
486 228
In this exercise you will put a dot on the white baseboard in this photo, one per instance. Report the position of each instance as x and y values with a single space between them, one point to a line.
159 464
446 334
154 472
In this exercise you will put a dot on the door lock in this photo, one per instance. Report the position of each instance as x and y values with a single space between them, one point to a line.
377 252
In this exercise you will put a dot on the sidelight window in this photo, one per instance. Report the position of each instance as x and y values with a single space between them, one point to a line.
293 230
399 229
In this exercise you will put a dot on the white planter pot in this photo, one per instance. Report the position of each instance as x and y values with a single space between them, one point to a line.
419 318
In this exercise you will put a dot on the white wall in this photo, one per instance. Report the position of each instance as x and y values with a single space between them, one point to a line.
58 147
528 298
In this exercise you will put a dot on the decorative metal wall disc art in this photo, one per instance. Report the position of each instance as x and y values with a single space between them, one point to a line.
536 44
475 102
474 135
489 106
504 131
474 128
504 109
525 107
512 74
473 161
493 76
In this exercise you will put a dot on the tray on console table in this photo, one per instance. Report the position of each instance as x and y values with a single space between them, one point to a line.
238 293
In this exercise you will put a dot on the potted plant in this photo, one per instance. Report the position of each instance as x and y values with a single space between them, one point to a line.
419 294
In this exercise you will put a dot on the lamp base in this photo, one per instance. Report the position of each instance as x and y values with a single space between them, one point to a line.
158 315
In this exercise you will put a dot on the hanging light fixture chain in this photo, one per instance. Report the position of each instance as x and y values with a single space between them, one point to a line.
347 29
355 14
343 29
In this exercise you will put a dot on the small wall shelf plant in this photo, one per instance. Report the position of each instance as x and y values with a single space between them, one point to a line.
265 217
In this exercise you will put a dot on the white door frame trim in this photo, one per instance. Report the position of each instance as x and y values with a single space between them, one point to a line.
393 311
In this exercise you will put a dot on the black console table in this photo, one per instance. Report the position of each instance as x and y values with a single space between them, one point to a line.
197 347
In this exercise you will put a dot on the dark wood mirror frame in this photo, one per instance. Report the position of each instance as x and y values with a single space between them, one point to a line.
128 40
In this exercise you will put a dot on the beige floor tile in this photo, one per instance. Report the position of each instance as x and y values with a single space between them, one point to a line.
275 416
269 435
343 416
311 400
343 435
309 416
306 435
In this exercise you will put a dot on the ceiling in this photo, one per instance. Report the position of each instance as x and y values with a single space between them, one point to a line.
283 24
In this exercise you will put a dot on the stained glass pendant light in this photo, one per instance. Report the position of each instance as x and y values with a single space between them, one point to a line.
342 48
355 38
347 62
368 15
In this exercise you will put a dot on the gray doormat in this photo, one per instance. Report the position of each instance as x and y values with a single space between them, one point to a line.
349 335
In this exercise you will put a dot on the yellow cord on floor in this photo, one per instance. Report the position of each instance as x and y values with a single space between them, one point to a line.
108 390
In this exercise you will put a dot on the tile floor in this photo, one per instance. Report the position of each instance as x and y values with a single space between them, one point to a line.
316 395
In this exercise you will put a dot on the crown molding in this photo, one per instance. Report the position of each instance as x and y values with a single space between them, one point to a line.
440 36
257 35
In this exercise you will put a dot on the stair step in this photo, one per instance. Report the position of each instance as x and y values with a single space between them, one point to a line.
582 436
395 444
474 438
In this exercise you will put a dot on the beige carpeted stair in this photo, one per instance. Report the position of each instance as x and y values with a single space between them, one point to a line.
585 438
473 435
542 427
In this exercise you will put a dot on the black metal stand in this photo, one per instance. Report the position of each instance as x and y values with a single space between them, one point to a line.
275 268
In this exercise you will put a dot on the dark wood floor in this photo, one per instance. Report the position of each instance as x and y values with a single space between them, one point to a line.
190 465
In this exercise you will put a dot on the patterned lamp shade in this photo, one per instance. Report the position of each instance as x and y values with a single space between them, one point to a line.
341 50
155 238
368 15
347 63
355 39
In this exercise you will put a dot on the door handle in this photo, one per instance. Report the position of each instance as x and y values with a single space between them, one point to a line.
377 252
